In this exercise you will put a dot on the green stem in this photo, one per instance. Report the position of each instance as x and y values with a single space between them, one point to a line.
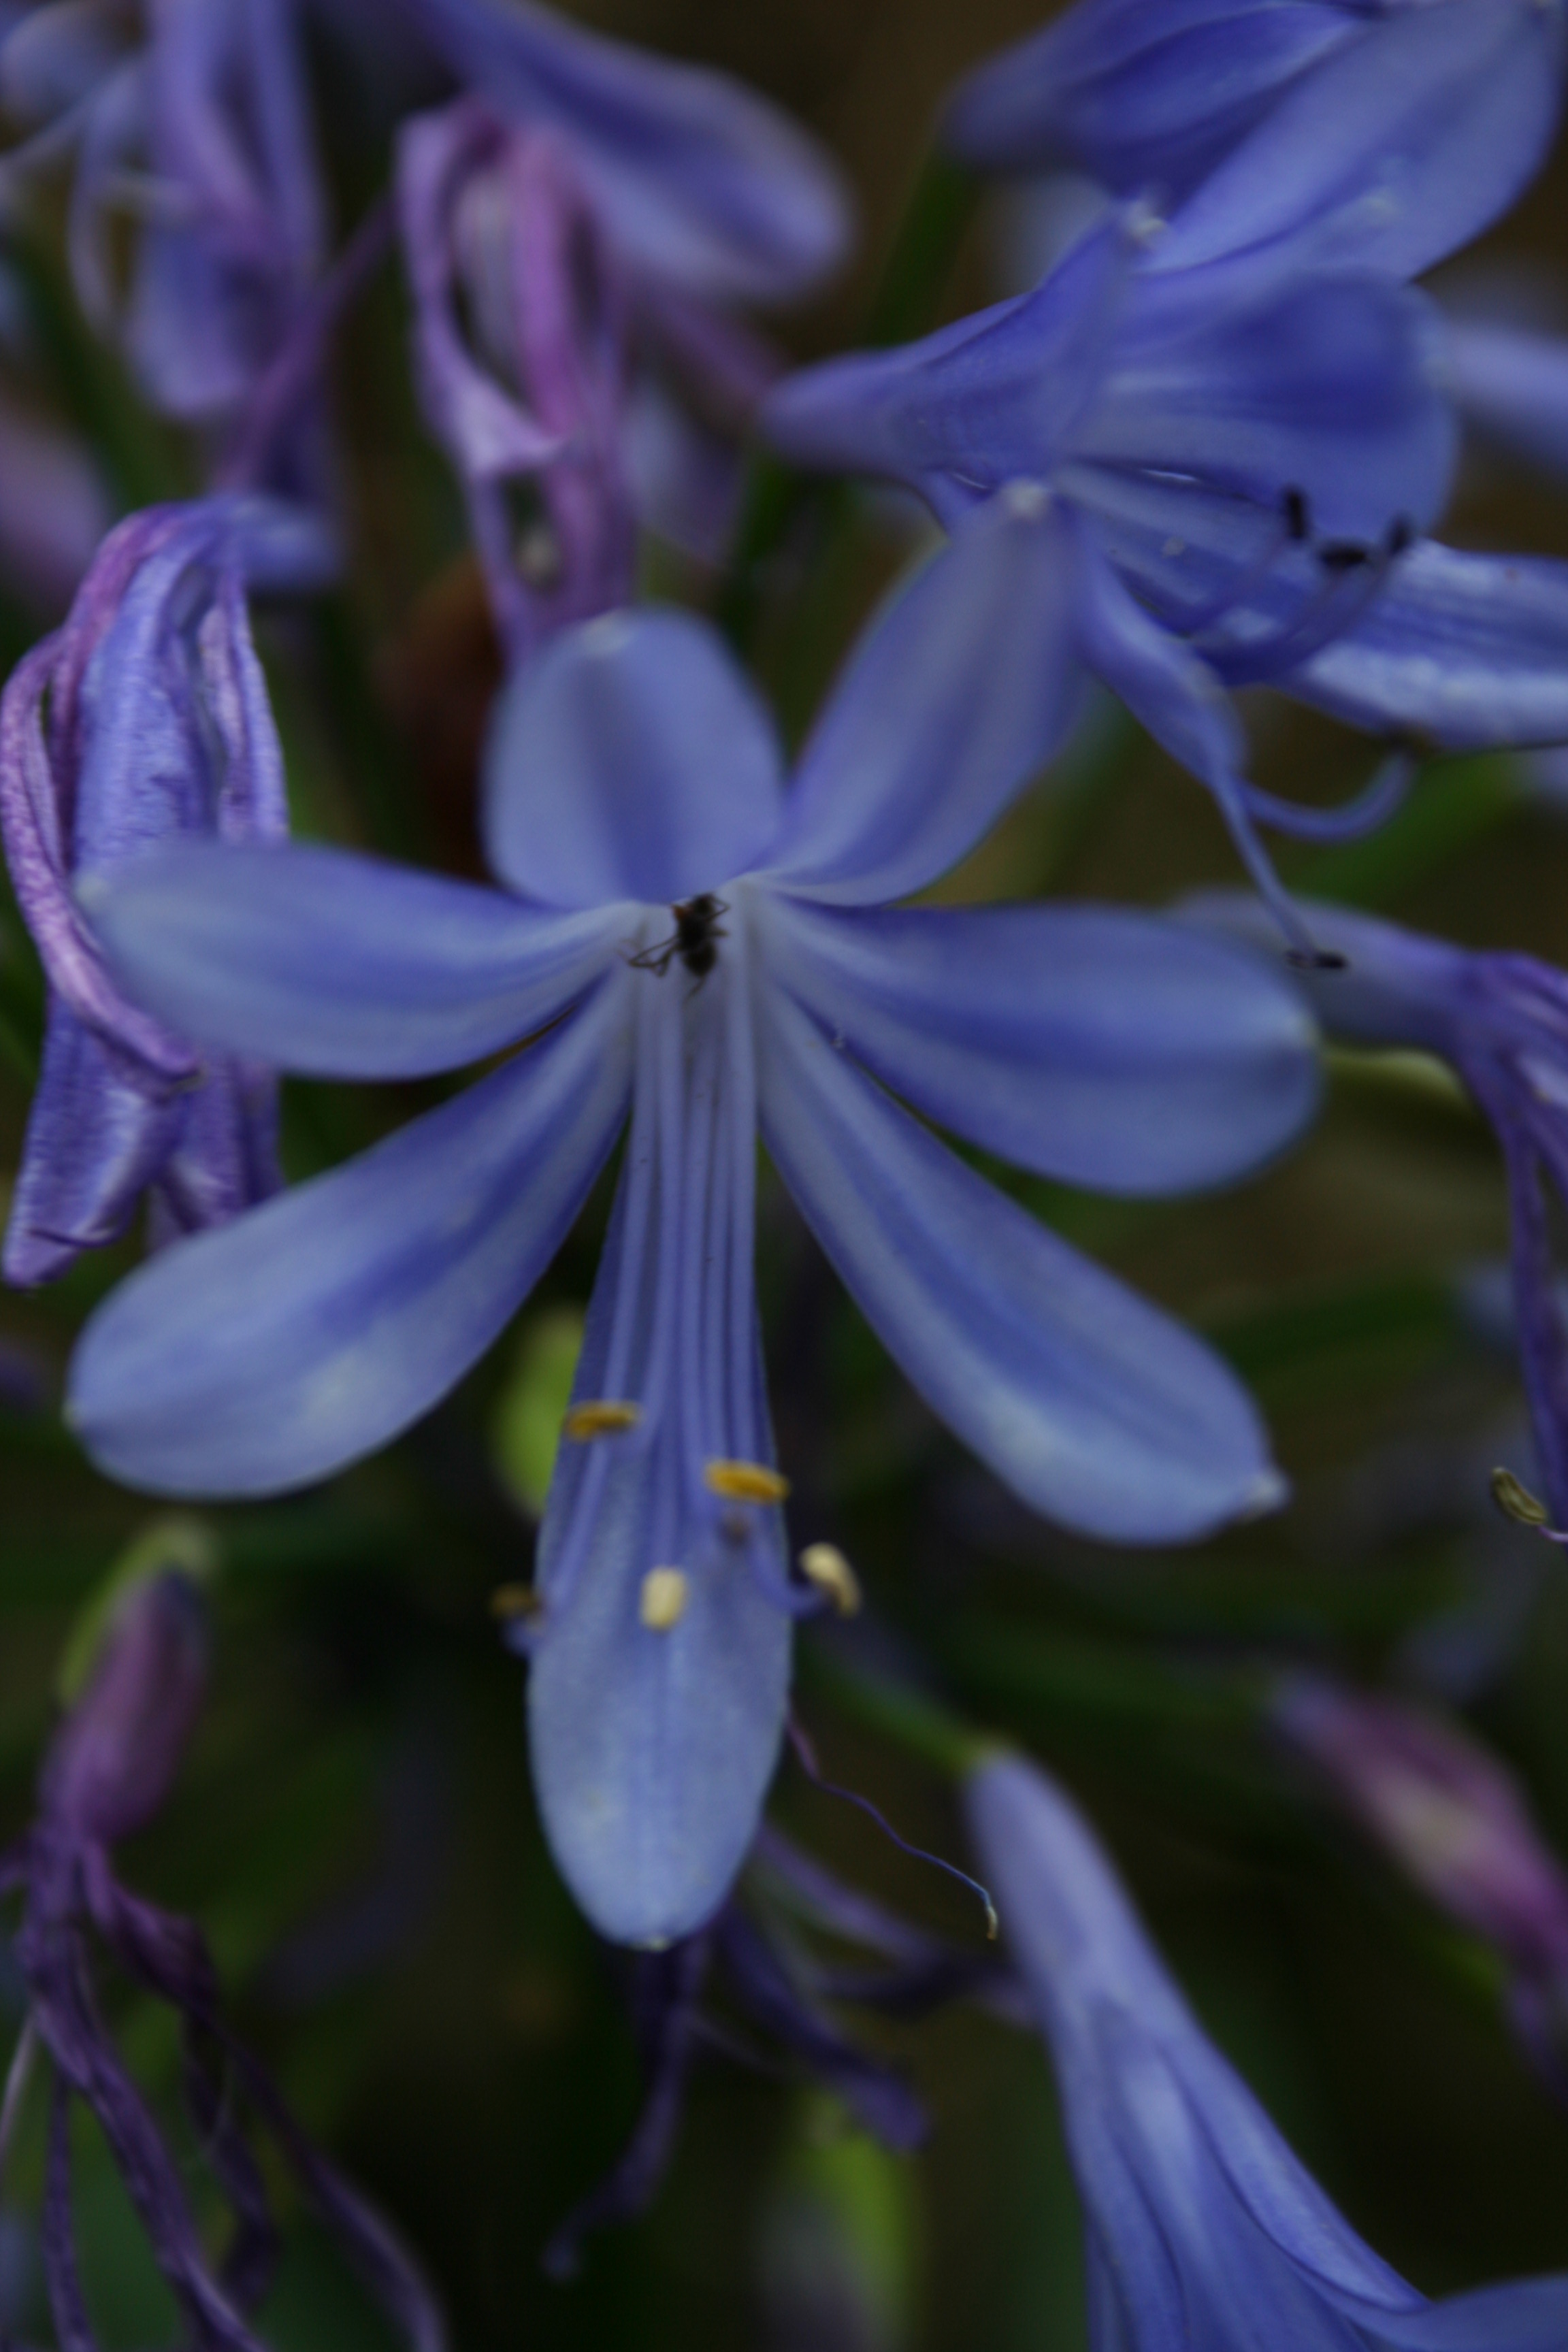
915 1721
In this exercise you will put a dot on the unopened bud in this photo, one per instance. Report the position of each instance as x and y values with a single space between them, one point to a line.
113 1760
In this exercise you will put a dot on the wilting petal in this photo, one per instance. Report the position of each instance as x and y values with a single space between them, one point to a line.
704 182
269 1353
1399 147
963 689
1512 385
1330 386
1097 1410
1089 1044
1141 94
1465 651
95 1139
631 760
319 961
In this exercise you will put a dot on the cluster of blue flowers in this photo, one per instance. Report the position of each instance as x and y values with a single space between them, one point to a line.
1206 452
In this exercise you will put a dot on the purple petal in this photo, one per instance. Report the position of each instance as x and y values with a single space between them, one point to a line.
963 689
1096 1408
632 759
703 182
318 959
263 1355
1086 1044
95 1139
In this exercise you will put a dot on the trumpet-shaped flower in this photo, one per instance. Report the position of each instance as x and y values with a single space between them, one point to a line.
1378 134
108 1773
1501 1020
144 717
1303 425
1201 2226
194 118
689 941
583 216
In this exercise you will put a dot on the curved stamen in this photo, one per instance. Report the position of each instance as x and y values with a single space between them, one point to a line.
1369 808
1353 578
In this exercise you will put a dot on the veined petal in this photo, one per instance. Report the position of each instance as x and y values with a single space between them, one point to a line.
269 1353
1461 650
1095 1408
661 1657
652 1749
1085 1043
631 760
704 181
319 961
990 400
1141 94
963 689
1330 385
1397 148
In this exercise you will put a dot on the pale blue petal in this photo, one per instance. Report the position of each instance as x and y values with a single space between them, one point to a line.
630 759
1329 385
1512 385
963 689
651 1750
1089 1044
1095 1408
268 1354
703 181
1399 147
318 960
1524 2315
1465 651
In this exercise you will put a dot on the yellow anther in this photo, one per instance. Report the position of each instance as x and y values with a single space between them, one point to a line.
600 1417
745 1482
1516 1502
665 1592
511 1602
824 1564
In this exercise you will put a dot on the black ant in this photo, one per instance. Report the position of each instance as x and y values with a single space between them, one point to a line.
695 940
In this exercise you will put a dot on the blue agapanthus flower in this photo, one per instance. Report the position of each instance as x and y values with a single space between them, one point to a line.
1202 2227
689 941
191 118
146 716
1382 133
579 226
1512 385
1500 1020
1303 430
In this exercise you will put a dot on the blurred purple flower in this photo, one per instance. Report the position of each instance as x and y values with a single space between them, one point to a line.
107 1774
690 940
192 118
1377 133
54 510
144 717
578 223
1202 2227
1458 1823
1511 383
1303 426
1501 1020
